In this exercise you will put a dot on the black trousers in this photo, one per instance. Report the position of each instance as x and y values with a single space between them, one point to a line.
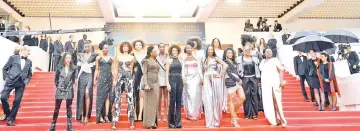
302 84
251 103
56 60
19 91
68 110
176 84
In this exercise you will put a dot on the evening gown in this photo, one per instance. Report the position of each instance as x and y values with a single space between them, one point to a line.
270 82
151 98
85 81
220 54
104 87
192 90
212 93
137 80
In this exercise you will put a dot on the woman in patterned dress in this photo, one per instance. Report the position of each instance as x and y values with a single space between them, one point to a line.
124 82
212 93
103 78
150 86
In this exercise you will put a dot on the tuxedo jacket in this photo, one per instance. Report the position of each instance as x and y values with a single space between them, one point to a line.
12 70
300 66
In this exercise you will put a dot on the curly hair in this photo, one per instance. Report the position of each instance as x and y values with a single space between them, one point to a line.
197 40
245 39
172 47
121 48
225 56
141 41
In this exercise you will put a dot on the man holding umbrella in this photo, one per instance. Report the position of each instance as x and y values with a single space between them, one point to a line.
353 60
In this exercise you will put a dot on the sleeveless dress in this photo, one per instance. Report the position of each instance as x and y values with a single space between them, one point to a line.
103 87
192 90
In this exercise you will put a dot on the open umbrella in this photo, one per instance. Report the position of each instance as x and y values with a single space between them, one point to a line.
341 36
313 42
299 35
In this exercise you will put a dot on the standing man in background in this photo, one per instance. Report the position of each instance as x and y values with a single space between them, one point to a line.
353 60
81 43
17 73
58 50
70 45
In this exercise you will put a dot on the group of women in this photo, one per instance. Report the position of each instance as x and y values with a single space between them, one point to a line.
200 80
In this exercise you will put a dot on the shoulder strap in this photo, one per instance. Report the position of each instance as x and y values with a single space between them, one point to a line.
160 64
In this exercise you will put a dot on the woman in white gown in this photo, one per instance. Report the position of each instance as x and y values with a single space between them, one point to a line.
272 84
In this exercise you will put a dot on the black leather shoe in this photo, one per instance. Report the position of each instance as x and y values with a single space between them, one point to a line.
4 118
11 123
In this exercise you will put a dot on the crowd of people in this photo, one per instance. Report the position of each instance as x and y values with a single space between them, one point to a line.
262 26
200 81
158 83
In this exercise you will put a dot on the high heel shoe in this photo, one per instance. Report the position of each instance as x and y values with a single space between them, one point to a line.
283 123
235 122
132 127
113 126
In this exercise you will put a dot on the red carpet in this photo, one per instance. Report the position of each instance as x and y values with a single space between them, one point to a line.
38 104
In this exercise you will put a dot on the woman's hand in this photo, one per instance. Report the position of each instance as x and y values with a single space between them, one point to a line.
201 82
147 88
168 88
327 80
218 76
114 83
282 83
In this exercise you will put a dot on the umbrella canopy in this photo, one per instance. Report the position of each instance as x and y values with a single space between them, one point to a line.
341 36
313 42
299 35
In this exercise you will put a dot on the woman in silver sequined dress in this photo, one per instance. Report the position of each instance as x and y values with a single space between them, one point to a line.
124 82
212 93
193 77
103 79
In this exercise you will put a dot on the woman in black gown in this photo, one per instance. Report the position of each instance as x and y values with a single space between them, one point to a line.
103 79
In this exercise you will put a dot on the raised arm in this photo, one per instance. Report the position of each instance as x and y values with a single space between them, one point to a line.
7 67
223 65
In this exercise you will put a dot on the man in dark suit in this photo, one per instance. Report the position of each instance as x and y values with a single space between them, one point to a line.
81 44
353 60
58 50
277 26
301 71
70 45
2 24
17 73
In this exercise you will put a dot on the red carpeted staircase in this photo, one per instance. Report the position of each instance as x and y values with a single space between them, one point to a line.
37 108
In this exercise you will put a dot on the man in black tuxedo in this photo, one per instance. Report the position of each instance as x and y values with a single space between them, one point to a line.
301 71
277 26
353 60
81 44
17 73
69 45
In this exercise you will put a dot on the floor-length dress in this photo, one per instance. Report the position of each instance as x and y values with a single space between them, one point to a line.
176 84
137 80
220 54
125 82
192 90
212 93
85 81
151 98
104 87
270 82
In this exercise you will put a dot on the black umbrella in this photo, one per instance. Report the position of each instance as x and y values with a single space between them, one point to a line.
299 35
341 36
313 42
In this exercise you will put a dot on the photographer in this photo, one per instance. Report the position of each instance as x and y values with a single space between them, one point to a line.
353 60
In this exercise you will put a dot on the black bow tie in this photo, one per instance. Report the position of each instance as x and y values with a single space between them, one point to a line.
22 57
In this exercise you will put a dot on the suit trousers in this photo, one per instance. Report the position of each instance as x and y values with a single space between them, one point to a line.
304 78
176 84
19 91
56 60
